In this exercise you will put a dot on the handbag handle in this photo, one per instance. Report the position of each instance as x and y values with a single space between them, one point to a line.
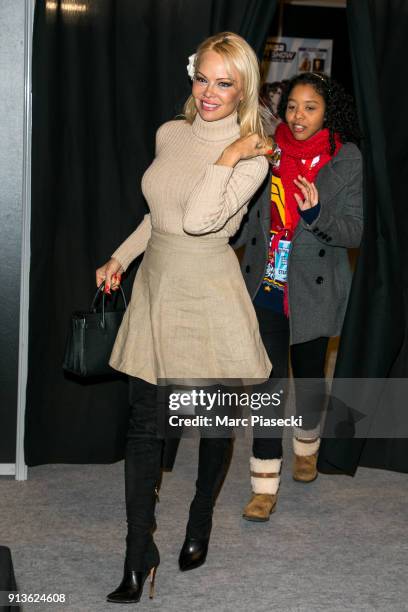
97 294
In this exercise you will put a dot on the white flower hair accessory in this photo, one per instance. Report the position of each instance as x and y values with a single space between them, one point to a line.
191 66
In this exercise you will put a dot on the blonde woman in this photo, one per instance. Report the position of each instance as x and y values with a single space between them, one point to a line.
190 315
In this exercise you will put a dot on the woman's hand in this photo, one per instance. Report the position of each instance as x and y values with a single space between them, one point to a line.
309 191
111 273
244 148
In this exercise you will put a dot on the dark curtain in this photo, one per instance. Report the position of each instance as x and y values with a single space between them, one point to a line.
105 76
374 339
7 579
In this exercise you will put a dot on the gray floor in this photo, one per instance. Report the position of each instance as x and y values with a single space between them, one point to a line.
336 544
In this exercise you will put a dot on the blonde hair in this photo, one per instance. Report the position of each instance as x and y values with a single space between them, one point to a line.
236 52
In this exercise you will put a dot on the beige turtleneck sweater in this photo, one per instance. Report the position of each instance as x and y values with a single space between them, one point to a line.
186 192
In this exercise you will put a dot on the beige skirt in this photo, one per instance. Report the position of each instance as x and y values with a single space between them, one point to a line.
190 315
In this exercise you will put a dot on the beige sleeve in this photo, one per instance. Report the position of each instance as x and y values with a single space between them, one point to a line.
221 192
135 244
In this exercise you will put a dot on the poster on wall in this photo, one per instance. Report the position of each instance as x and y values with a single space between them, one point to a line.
284 57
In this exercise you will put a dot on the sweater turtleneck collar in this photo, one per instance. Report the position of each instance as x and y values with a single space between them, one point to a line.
213 131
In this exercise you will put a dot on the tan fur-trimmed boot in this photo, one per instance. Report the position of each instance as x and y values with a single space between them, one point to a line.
306 452
265 478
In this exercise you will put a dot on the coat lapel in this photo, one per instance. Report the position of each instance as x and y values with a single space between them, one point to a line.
265 209
328 184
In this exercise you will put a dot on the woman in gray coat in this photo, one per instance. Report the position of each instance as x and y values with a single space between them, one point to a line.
296 264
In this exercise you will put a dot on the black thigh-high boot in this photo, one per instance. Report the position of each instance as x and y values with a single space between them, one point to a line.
142 475
214 459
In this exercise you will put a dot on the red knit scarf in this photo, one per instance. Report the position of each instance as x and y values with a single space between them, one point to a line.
292 153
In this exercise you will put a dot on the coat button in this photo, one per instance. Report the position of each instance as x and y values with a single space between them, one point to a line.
319 280
253 241
322 253
328 239
248 268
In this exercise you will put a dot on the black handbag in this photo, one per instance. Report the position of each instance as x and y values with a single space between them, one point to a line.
91 337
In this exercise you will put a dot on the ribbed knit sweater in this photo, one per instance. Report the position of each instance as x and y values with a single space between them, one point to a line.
186 192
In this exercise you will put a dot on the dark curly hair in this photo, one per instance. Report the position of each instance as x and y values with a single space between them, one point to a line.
340 115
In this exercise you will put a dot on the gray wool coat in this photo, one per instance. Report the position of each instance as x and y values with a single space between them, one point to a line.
319 274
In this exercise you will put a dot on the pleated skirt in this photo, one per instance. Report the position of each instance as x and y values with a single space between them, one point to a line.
190 316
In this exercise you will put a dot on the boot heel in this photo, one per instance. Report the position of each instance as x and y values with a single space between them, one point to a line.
152 581
130 589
